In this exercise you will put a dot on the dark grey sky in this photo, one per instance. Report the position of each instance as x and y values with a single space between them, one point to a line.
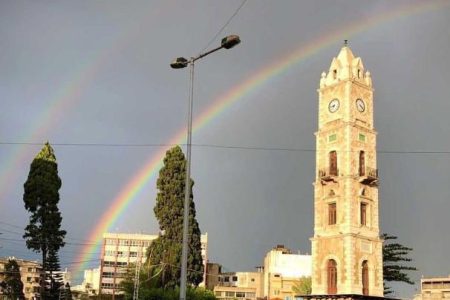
97 72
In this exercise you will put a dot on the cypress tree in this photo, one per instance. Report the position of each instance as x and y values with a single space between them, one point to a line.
41 196
165 251
394 257
12 284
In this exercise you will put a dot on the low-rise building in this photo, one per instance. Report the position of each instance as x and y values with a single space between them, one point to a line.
276 279
30 274
283 270
239 285
90 284
434 288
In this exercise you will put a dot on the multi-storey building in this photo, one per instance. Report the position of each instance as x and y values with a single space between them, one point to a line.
346 247
434 288
239 285
91 282
122 249
30 274
282 271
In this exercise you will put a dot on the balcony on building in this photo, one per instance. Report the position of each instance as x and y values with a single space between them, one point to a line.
328 174
368 176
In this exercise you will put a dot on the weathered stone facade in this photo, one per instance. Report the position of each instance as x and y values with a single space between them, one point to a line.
346 227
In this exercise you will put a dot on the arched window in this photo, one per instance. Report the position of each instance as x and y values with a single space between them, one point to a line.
365 278
333 163
332 277
362 163
334 74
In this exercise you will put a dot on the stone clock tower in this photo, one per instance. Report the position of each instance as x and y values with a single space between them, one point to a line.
346 248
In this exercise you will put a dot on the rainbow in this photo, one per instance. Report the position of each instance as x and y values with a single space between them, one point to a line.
68 95
261 77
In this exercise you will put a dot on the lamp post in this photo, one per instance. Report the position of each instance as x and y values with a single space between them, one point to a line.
179 63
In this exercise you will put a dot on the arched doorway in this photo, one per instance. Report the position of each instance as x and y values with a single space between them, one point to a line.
365 278
332 277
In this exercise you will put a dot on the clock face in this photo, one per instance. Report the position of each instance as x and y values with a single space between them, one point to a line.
360 105
334 105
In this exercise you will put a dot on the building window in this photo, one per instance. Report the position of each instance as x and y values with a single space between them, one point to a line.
332 277
226 279
333 163
332 214
235 278
364 214
240 295
365 277
362 163
218 293
334 74
229 294
332 138
362 137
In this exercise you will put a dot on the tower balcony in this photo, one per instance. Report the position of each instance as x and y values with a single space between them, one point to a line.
368 176
328 174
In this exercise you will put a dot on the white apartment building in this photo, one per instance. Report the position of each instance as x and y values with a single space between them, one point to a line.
91 282
121 249
282 270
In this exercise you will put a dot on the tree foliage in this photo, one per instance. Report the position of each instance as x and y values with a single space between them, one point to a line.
395 255
12 285
164 254
41 196
303 286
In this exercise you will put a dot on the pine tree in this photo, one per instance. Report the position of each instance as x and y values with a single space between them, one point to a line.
165 251
41 196
12 284
67 292
393 256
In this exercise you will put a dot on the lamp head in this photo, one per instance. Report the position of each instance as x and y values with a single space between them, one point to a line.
179 63
230 41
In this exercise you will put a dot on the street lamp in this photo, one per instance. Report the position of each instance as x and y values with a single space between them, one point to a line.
179 63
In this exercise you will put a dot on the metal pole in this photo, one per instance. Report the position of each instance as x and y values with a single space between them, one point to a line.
187 188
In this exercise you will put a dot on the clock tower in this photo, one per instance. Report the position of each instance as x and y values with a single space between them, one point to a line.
346 247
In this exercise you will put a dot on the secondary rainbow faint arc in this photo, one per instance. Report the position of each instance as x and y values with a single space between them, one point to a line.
128 193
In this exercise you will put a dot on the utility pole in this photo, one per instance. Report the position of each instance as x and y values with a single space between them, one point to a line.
137 273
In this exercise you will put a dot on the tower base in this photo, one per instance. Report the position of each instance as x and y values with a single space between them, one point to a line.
342 297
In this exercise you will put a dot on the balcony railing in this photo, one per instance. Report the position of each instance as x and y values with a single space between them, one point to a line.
328 174
368 175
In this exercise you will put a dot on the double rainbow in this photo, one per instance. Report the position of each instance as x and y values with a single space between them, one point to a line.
147 173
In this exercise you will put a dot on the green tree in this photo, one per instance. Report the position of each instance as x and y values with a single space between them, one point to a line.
303 286
43 234
164 253
67 292
394 257
12 284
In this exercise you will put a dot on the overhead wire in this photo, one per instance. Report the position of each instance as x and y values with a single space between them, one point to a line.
218 146
224 26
